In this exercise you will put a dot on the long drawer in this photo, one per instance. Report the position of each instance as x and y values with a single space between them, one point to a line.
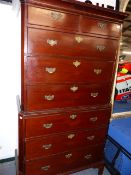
46 96
47 69
43 125
66 161
72 22
54 144
59 43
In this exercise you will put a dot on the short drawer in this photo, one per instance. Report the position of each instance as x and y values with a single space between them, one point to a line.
54 144
72 22
46 96
65 161
99 26
43 125
59 43
52 18
47 69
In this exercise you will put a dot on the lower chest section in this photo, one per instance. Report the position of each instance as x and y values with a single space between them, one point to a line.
55 143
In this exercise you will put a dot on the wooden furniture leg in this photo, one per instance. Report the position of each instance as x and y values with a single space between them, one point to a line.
100 170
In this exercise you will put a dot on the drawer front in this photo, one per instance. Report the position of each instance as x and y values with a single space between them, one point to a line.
99 27
44 125
73 22
50 96
45 69
59 43
65 162
53 144
51 18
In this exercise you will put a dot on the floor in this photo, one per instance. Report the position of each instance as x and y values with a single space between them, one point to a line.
91 172
9 169
121 106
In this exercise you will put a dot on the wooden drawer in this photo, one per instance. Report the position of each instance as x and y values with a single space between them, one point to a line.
53 144
66 161
52 18
64 122
73 22
99 26
53 96
47 69
59 43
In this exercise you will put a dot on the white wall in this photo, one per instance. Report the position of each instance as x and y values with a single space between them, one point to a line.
9 79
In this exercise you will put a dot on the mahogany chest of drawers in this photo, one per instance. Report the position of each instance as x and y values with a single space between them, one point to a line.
69 57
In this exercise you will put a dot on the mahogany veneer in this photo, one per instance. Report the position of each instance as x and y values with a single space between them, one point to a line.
69 56
45 146
51 96
67 160
63 122
66 44
86 72
70 21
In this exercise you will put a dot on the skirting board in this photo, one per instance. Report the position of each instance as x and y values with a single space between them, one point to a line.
7 159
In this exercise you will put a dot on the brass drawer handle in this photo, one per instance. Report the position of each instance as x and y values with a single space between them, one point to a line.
74 88
76 63
100 48
78 39
68 156
50 70
90 137
48 125
71 136
94 95
52 42
101 25
47 146
45 168
73 116
93 119
88 156
49 97
97 71
56 15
